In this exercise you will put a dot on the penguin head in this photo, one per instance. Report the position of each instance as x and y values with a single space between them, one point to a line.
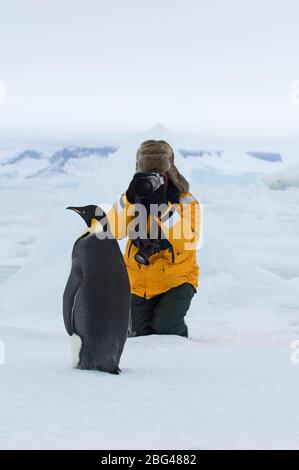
90 214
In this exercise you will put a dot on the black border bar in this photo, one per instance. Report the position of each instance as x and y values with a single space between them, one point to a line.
147 458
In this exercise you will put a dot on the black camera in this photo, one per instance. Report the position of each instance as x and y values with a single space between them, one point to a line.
147 248
145 185
148 183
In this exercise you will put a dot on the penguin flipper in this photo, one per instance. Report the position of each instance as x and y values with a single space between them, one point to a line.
69 296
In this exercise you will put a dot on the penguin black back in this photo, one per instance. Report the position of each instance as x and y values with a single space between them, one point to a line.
96 300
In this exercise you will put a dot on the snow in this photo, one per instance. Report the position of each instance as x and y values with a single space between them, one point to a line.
231 161
172 393
270 157
231 385
284 179
49 162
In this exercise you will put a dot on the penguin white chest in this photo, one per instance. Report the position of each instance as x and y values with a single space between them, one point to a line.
76 345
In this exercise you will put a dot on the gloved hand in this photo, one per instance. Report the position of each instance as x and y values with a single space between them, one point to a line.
130 193
159 196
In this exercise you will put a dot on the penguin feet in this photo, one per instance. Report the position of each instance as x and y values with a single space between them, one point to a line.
86 364
115 370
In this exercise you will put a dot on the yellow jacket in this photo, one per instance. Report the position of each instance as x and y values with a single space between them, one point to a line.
170 267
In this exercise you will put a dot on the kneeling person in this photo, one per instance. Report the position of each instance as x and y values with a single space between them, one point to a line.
163 272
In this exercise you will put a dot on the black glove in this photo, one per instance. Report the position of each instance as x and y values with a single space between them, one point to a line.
158 196
130 193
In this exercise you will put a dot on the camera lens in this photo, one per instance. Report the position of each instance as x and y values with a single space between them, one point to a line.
141 258
143 187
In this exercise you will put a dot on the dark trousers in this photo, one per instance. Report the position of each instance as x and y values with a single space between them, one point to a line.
163 314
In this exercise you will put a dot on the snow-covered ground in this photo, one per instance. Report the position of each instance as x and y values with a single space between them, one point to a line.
231 385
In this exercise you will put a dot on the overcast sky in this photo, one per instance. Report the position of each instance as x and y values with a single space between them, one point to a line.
91 69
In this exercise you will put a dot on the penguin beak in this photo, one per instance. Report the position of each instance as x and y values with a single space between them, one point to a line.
76 209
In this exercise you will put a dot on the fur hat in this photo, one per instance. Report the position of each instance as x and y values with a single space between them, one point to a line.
158 155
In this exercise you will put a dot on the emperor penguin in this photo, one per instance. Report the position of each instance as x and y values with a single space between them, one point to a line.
96 299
